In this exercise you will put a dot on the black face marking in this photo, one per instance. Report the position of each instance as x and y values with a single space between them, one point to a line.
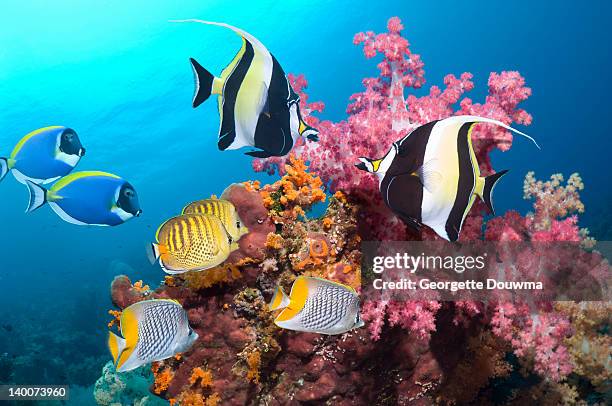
70 143
128 200
227 133
465 183
362 166
411 151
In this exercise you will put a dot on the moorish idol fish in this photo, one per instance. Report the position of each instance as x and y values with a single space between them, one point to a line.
191 242
317 305
44 155
88 198
257 105
431 176
225 210
152 330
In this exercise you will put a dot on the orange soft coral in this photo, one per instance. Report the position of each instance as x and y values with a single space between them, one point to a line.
213 400
274 241
318 253
252 186
224 273
289 198
162 379
190 398
204 376
116 319
140 287
254 363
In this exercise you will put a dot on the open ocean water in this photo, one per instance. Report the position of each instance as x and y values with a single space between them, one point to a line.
118 73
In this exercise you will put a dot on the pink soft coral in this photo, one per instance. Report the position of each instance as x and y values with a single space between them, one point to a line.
381 114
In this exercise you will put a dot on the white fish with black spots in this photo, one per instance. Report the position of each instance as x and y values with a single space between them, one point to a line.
317 305
151 330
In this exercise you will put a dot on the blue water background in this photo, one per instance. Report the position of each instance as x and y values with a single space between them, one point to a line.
118 73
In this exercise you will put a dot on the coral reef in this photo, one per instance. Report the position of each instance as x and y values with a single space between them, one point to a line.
130 388
411 352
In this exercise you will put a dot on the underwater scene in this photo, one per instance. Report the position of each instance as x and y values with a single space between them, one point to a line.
305 203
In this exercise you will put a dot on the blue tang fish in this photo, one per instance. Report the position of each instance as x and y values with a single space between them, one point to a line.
88 198
44 155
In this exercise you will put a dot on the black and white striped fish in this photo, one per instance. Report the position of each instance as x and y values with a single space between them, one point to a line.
257 105
317 305
152 330
431 176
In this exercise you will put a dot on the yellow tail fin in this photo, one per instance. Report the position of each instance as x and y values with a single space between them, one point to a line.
280 300
116 345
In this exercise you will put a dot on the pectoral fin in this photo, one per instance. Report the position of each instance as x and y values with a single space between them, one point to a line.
430 178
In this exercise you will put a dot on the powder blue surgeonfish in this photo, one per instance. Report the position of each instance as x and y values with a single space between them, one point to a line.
257 105
88 198
44 155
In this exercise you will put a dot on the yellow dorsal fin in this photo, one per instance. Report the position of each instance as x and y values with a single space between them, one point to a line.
34 133
66 180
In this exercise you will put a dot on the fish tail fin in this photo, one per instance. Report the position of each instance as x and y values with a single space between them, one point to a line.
203 83
280 300
489 184
38 196
153 252
4 168
116 345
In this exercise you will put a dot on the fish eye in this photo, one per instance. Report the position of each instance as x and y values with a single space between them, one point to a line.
238 224
129 193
